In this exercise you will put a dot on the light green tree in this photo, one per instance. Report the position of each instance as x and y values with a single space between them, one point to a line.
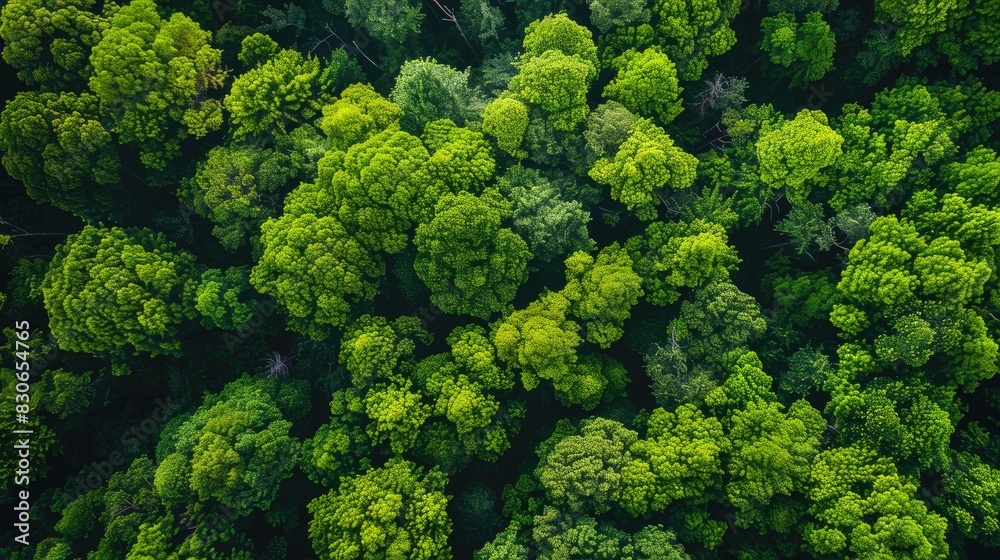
395 511
645 164
646 84
471 265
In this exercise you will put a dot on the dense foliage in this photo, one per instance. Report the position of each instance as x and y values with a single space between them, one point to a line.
582 280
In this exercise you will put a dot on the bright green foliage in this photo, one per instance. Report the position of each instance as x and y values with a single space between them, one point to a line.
222 298
777 6
315 271
868 170
899 283
793 154
745 382
257 49
231 445
977 179
557 534
772 451
806 49
471 265
972 497
680 458
647 85
504 547
654 542
540 340
861 508
718 319
391 21
385 185
558 84
461 160
378 189
375 350
645 164
551 225
583 472
603 292
334 450
284 91
506 119
910 422
464 386
427 91
690 31
152 77
606 15
395 512
559 33
359 114
918 20
396 414
49 41
116 291
674 255
238 188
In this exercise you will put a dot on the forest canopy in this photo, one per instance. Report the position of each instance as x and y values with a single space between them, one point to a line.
497 280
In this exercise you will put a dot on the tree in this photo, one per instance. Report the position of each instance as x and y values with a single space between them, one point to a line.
681 457
673 383
374 350
646 84
113 291
49 41
718 319
556 83
540 339
153 78
644 164
606 15
690 31
506 120
917 21
282 92
394 511
238 188
359 114
56 145
559 33
608 127
427 91
471 265
583 472
315 270
674 255
793 154
392 22
224 298
972 499
551 225
603 292
860 506
235 448
806 48
771 455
